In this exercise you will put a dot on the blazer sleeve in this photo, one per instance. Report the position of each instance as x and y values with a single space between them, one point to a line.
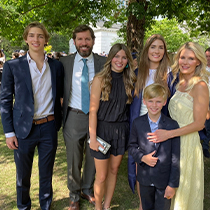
6 99
175 161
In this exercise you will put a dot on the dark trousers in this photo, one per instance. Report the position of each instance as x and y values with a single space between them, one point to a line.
152 198
206 140
44 137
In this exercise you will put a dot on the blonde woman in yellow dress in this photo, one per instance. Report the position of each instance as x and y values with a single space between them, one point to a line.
188 106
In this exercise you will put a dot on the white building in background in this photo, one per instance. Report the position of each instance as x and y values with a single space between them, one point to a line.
104 38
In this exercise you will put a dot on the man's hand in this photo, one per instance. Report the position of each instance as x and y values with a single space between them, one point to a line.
12 142
149 159
169 192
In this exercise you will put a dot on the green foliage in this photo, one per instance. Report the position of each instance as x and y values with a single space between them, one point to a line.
58 16
194 13
59 42
62 16
171 32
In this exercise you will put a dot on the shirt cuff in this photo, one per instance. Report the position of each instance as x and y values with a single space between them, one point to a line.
8 135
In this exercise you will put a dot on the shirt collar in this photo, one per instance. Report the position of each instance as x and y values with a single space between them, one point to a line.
79 57
151 122
30 59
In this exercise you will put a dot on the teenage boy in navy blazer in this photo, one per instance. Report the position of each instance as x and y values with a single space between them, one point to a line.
33 118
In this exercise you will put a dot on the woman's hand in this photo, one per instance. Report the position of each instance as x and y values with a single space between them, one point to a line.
158 136
208 115
94 145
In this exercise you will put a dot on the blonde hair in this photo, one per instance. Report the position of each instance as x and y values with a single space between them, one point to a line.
143 69
129 76
200 70
155 90
36 24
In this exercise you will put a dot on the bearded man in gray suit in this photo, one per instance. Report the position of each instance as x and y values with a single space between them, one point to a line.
76 114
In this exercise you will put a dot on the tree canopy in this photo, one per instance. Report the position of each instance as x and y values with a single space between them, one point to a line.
63 16
141 14
171 32
57 15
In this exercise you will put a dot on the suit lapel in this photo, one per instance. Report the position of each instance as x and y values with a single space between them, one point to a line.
69 73
26 74
53 78
96 63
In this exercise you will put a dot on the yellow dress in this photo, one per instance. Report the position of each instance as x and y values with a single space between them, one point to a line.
190 194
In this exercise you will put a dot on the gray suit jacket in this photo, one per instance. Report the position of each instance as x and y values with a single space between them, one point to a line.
68 63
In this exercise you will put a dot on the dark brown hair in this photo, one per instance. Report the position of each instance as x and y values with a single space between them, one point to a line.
82 28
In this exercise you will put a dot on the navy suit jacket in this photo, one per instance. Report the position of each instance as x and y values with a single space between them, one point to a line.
16 82
167 170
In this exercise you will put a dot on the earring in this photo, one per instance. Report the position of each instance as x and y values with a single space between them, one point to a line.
126 66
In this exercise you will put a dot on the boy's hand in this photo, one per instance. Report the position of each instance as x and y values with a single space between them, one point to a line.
149 159
12 142
169 192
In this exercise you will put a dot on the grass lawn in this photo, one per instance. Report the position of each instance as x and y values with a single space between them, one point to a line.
123 198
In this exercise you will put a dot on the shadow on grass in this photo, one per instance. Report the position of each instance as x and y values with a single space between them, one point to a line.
64 202
7 202
123 198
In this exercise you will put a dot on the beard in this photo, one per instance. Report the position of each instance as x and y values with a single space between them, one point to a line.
85 53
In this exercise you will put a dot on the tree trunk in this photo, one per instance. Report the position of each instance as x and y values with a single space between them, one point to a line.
135 31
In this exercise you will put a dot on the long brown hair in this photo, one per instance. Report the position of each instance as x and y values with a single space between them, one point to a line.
143 69
129 76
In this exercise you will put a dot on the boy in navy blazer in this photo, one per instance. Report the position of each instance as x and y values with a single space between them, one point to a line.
158 168
31 91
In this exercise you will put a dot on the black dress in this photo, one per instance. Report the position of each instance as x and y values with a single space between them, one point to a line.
113 125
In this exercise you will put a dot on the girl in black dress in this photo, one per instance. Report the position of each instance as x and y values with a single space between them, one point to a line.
108 118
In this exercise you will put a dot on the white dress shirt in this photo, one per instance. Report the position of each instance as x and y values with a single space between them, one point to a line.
42 90
75 94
